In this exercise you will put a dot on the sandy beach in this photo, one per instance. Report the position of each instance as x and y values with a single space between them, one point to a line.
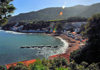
73 45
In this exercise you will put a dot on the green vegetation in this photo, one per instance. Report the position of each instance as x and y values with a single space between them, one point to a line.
59 27
86 58
6 8
53 13
47 26
54 64
19 66
75 19
90 53
31 26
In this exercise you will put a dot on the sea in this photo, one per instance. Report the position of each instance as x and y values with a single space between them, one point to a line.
11 43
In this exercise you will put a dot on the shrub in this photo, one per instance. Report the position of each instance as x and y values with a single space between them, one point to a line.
91 52
74 54
62 68
38 66
19 66
59 62
2 68
93 66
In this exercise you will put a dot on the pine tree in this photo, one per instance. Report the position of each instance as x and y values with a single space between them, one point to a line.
6 8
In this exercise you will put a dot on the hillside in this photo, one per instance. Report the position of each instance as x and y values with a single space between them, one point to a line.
53 13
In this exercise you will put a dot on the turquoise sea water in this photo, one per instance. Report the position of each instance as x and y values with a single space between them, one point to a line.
10 43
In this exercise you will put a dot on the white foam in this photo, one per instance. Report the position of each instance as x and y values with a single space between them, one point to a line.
52 51
64 47
1 30
12 32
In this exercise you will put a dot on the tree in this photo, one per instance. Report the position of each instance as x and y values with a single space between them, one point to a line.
77 19
2 68
91 52
38 66
6 8
59 27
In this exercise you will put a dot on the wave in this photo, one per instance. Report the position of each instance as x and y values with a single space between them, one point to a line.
12 32
1 30
52 51
64 47
48 51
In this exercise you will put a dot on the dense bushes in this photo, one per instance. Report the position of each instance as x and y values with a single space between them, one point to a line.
19 66
2 67
54 64
77 19
36 25
75 54
91 52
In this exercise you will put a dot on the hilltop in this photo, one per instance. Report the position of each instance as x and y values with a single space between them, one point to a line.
53 13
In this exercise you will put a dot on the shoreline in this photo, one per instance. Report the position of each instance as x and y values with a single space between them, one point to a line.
67 49
65 45
73 45
61 50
